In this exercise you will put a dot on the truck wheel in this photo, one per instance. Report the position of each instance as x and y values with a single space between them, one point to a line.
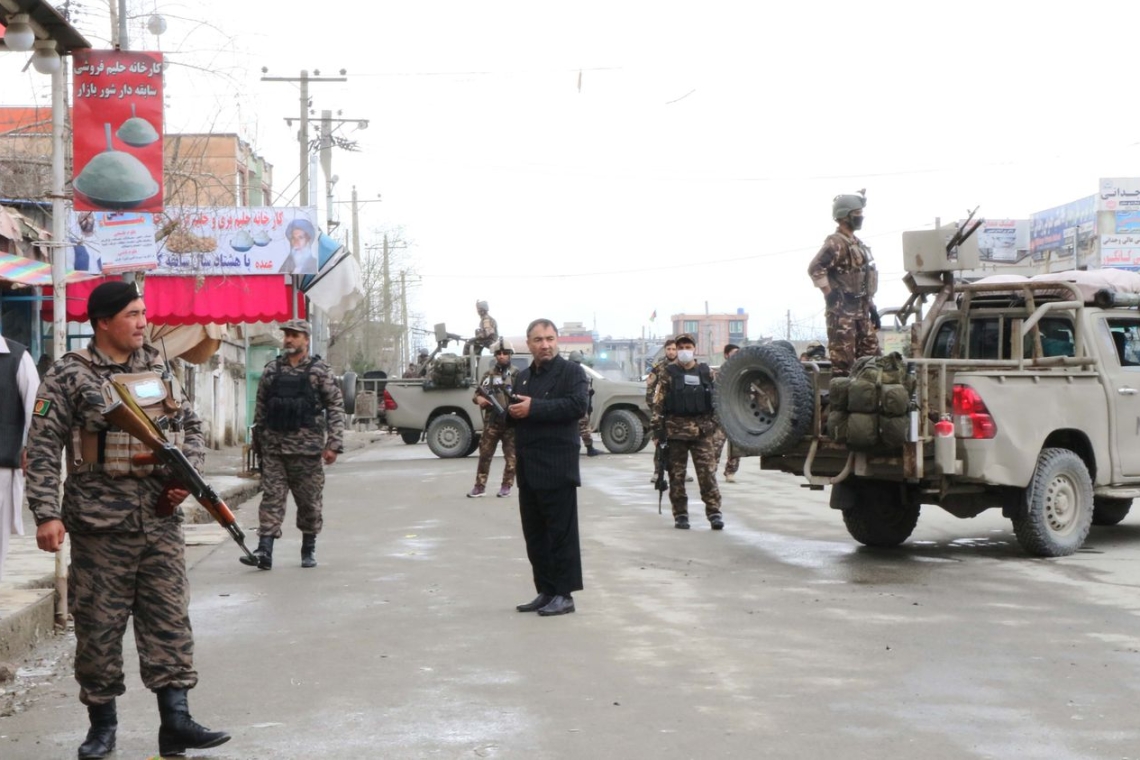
621 431
474 445
880 516
449 436
1108 511
1058 506
410 437
763 399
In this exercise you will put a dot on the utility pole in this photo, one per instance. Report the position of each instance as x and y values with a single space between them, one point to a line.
387 328
303 135
788 329
406 348
355 225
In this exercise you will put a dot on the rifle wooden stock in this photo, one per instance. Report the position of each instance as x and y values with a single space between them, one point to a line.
133 421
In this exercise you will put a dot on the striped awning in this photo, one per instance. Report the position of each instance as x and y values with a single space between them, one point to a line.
30 272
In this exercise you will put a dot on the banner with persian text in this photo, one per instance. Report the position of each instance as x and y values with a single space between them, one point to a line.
237 240
117 131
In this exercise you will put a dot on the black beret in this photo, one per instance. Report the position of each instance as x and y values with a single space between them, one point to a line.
110 298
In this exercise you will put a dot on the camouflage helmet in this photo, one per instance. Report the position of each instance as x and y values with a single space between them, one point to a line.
842 205
481 306
502 344
576 356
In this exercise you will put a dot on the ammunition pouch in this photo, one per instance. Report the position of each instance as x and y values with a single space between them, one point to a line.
112 451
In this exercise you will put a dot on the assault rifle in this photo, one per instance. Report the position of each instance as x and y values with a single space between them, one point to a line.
660 464
125 414
497 405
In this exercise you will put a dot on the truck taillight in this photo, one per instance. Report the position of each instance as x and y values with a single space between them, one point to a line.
389 402
971 417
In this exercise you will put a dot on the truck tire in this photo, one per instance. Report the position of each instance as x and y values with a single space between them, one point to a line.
621 431
449 436
410 437
474 445
763 399
1058 509
348 391
879 515
1108 511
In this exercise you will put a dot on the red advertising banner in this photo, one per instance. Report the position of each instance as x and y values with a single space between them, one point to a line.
117 128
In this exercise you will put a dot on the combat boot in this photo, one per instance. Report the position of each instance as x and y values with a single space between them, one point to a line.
592 452
264 553
308 550
178 731
100 740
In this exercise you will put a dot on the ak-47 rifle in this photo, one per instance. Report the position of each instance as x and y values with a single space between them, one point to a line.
660 464
497 405
125 414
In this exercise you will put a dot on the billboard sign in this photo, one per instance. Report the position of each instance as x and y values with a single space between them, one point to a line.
1051 231
117 131
111 242
1121 194
239 240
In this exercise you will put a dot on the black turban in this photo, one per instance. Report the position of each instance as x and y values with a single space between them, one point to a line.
110 298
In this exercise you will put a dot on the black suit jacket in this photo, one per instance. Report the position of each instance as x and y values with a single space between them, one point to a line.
547 440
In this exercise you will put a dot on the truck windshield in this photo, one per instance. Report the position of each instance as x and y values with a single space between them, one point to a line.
991 337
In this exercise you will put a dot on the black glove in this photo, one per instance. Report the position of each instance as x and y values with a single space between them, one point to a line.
875 321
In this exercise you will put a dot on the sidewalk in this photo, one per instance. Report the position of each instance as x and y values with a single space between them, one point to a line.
27 593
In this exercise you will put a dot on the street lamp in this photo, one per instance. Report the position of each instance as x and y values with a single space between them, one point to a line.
18 36
46 58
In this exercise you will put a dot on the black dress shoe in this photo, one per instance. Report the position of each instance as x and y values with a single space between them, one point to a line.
559 605
536 604
681 522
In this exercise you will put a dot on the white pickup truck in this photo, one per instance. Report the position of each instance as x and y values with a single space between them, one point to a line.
452 423
1025 397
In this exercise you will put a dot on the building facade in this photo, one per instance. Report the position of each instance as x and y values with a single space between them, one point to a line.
713 332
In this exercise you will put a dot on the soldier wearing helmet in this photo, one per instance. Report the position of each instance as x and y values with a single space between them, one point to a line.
485 334
815 351
845 271
498 381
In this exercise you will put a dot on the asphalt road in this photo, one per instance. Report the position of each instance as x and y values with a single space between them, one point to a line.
776 638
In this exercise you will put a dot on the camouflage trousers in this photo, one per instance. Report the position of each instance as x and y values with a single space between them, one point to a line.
492 434
304 476
584 431
115 576
849 336
732 464
703 451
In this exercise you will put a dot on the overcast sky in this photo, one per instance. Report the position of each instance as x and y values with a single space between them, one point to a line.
595 162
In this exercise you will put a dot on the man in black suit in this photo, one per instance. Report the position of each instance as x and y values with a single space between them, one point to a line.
552 396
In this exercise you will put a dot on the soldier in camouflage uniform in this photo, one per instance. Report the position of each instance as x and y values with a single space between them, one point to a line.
845 272
584 423
499 380
300 419
127 548
486 334
683 415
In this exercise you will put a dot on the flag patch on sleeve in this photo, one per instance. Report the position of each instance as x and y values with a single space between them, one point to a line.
41 408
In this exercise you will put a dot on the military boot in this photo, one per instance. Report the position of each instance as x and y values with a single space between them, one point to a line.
308 550
100 740
264 553
179 732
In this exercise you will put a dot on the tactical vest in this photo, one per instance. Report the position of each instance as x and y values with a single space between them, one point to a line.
112 451
11 409
292 402
859 282
690 391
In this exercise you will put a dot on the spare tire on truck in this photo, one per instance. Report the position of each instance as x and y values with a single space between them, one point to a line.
764 400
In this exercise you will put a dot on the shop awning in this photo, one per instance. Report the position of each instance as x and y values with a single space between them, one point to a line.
200 300
30 272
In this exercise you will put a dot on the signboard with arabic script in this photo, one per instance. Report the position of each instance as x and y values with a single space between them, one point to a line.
1051 232
254 240
1120 251
1121 194
1003 239
111 242
117 135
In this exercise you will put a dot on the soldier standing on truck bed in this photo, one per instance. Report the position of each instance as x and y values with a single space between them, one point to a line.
683 415
499 381
845 271
486 334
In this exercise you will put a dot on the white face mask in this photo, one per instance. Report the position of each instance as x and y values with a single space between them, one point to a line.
685 355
